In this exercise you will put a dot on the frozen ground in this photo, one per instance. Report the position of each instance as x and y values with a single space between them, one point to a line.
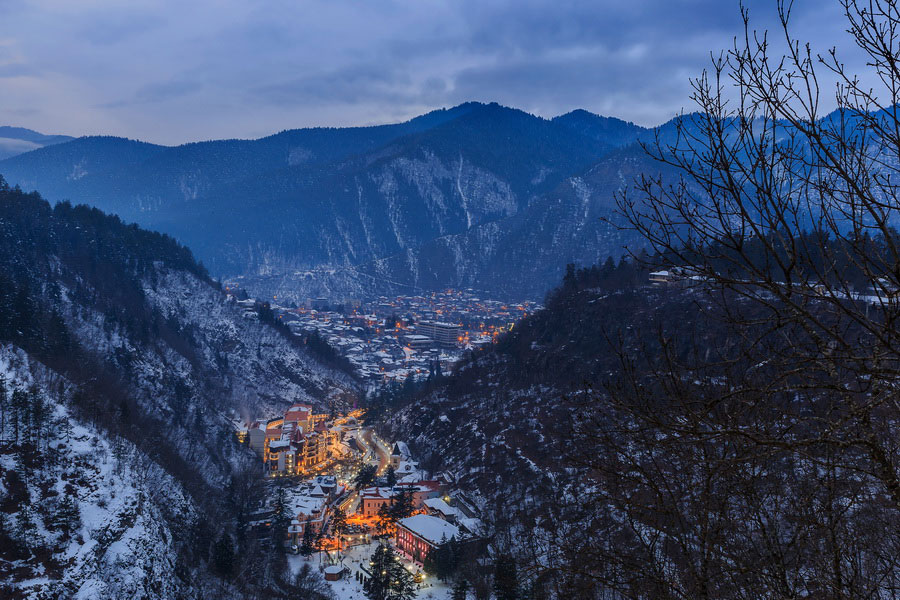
349 589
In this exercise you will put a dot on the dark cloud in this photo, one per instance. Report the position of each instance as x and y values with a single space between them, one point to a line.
172 71
353 84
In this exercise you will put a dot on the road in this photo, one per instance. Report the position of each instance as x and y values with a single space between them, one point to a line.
383 457
349 504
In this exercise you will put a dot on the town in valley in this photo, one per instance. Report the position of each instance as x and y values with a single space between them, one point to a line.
336 492
392 339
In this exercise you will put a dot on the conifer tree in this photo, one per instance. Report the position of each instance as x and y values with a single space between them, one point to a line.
365 476
281 520
390 477
460 590
223 556
309 538
4 408
389 581
506 579
25 527
67 517
339 526
402 505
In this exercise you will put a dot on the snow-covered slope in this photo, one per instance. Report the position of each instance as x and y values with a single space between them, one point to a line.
139 359
84 515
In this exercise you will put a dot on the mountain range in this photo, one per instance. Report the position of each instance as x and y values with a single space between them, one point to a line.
478 195
18 140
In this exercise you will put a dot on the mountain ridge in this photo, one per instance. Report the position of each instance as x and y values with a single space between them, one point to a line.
19 140
344 198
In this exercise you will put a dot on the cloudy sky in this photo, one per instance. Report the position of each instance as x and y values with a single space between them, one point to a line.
176 71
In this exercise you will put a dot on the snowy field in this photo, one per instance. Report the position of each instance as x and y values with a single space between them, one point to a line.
348 588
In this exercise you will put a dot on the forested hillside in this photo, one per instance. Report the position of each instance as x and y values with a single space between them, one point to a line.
122 363
611 433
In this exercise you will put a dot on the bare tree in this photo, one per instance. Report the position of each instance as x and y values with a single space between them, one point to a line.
753 451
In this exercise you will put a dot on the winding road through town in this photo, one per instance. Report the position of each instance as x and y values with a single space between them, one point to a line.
384 457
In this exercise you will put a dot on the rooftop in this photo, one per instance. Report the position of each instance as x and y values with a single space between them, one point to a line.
429 528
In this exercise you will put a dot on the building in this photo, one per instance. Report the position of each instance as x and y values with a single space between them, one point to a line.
661 277
675 276
437 507
296 443
261 433
416 341
309 506
443 334
373 498
299 415
399 453
419 534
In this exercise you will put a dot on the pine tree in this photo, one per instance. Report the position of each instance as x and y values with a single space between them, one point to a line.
40 413
18 409
389 581
339 526
223 556
441 563
365 476
449 558
385 517
281 520
506 579
430 564
402 506
309 538
339 522
67 516
4 408
460 590
25 527
390 477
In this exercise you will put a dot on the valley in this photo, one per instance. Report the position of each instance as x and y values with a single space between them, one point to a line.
336 492
371 301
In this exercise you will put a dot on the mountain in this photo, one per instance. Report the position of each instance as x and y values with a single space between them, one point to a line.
653 441
608 130
18 140
314 209
122 362
575 222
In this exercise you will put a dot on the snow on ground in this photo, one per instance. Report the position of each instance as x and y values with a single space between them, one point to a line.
349 589
123 545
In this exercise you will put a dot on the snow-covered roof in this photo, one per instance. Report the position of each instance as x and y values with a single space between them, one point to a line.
279 444
300 504
401 449
442 507
430 528
406 466
470 525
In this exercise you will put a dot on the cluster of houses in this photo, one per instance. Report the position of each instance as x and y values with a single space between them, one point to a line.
435 521
301 441
310 505
297 443
392 339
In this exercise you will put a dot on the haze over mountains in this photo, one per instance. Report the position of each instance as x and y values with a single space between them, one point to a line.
478 195
18 140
